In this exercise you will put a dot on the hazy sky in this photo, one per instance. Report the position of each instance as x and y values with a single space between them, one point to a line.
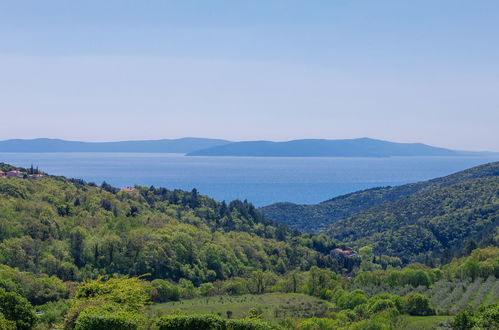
415 71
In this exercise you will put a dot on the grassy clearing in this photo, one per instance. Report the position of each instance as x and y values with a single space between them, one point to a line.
273 306
423 322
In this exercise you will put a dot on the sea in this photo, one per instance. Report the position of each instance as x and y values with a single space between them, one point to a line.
260 180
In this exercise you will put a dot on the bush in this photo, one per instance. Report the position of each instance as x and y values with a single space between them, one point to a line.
486 317
207 322
190 322
318 324
165 291
417 304
352 299
97 318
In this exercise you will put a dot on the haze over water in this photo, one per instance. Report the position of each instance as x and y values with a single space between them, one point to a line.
260 180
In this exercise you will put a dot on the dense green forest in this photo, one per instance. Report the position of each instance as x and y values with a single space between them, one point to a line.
75 255
318 217
74 230
429 224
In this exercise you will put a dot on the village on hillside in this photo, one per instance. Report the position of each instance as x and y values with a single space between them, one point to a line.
21 175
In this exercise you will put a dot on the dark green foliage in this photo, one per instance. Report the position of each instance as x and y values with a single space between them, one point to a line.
37 289
417 304
428 222
18 309
208 322
317 217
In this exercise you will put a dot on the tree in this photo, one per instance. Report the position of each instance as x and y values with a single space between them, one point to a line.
260 281
76 245
319 280
470 246
206 289
417 304
367 256
18 309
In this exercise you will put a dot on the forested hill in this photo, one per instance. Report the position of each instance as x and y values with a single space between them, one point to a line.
432 223
317 217
74 230
363 147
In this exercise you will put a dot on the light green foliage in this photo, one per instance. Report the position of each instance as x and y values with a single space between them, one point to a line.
164 291
274 306
349 300
74 231
260 281
15 308
315 323
206 289
118 300
108 317
486 317
53 312
320 280
480 263
366 256
6 324
129 293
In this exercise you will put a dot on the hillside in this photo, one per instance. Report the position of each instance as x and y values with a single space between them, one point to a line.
96 257
74 230
316 217
183 145
363 147
427 223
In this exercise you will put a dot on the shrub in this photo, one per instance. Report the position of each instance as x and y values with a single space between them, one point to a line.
165 291
207 322
190 322
97 318
318 324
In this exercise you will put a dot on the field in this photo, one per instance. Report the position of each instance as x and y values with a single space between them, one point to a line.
273 306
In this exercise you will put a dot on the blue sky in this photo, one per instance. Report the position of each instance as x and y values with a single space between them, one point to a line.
408 71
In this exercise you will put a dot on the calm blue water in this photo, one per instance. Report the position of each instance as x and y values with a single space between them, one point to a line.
260 180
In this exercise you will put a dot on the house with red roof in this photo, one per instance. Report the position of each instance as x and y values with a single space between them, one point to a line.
15 174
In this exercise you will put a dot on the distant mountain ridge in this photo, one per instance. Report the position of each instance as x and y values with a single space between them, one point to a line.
362 147
183 145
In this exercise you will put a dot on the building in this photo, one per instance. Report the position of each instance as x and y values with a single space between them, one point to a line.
2 174
128 189
15 174
36 176
343 253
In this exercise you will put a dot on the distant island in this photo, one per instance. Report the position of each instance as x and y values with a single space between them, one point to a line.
182 146
362 147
